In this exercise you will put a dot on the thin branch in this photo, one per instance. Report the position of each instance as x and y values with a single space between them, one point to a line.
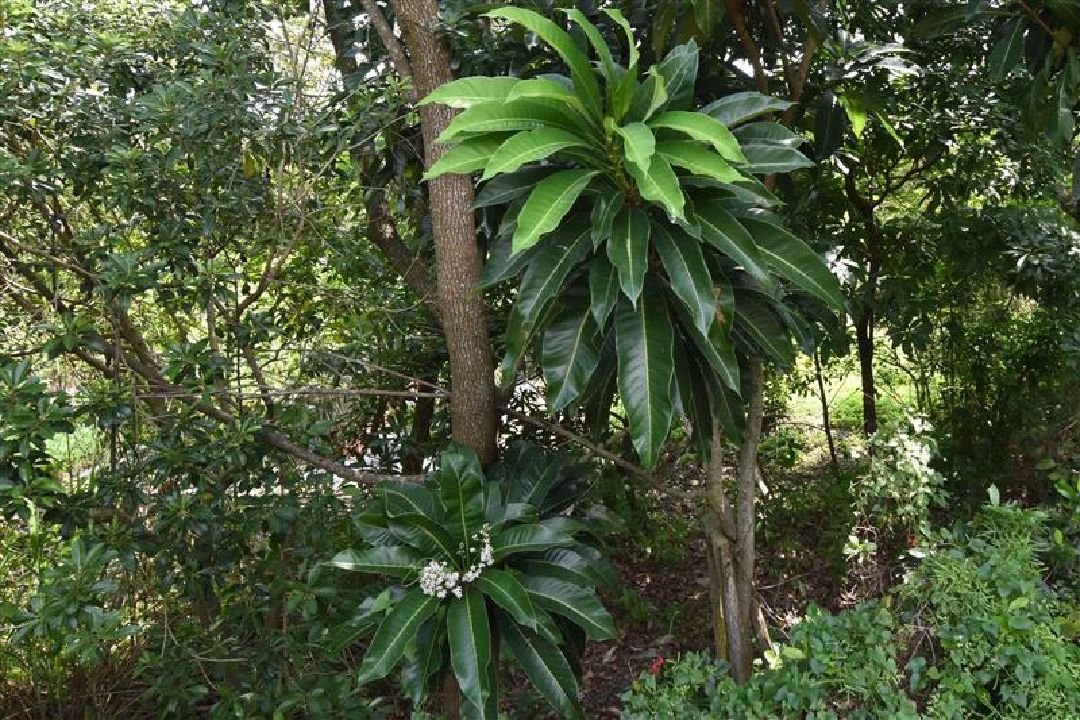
753 52
390 42
1035 16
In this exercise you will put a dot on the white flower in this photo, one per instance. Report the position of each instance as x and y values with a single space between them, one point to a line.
438 580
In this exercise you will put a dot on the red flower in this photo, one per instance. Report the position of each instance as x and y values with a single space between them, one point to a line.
656 665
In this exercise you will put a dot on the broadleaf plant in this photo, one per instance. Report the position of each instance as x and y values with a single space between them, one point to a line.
469 553
636 221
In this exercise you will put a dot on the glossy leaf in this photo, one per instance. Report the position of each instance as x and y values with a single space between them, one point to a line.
764 330
720 229
465 157
770 159
526 147
679 70
607 62
540 87
548 204
396 561
603 288
560 40
698 159
687 273
470 91
506 591
578 604
649 96
795 261
403 498
1008 49
505 188
461 482
703 128
739 107
628 250
527 538
645 347
638 144
546 667
394 634
767 133
424 534
570 353
469 636
509 117
607 205
620 20
829 126
660 185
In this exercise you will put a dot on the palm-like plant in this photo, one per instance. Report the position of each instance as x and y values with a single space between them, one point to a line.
472 553
649 255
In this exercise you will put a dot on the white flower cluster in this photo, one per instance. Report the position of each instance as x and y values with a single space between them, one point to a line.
438 579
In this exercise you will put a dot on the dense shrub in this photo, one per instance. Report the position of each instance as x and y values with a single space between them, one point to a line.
976 632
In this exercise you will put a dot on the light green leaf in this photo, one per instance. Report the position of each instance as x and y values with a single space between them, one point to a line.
855 107
607 63
739 107
512 116
638 144
688 274
470 91
469 634
703 128
679 70
394 634
698 159
528 146
767 133
660 185
545 88
649 96
620 20
645 345
795 261
628 250
546 667
570 353
465 157
395 561
560 40
548 204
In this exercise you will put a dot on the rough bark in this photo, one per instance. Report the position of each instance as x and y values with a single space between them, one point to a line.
457 257
746 509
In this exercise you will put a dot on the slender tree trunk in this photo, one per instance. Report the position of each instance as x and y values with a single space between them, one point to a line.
457 256
423 413
864 343
825 420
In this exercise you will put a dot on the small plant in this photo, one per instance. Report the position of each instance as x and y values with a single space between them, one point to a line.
475 558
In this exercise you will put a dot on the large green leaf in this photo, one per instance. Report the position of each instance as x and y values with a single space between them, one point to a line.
527 538
638 145
767 133
830 124
628 250
645 344
542 281
560 40
769 159
703 128
723 231
631 42
401 498
546 667
607 62
506 591
528 146
739 107
679 70
394 634
649 96
461 492
607 205
660 185
603 288
698 160
469 634
422 533
688 274
715 348
505 188
466 157
422 661
548 204
794 260
566 564
469 91
570 353
541 87
578 604
509 117
763 330
400 562
502 263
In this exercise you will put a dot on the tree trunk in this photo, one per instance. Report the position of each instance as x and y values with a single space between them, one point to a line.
864 342
825 419
730 536
457 257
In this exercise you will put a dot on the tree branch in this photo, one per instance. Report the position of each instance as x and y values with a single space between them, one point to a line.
753 52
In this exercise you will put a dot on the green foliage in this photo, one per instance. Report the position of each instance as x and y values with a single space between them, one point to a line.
635 186
976 633
479 557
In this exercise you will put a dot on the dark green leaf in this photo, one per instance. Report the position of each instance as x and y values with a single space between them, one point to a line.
503 189
527 538
394 634
739 107
679 70
829 126
578 604
628 250
688 274
603 288
400 562
769 159
546 668
461 483
723 231
469 634
793 259
570 352
507 592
